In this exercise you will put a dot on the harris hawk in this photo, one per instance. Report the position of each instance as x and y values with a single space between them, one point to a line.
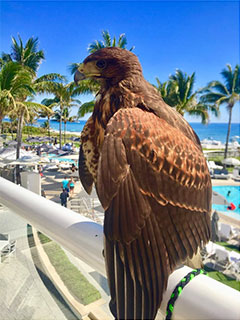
151 178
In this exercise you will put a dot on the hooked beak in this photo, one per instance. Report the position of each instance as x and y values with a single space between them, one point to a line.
79 75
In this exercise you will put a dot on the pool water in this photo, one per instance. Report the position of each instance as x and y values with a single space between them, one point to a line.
233 197
64 160
53 156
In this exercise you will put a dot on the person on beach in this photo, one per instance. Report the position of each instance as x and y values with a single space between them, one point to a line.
40 170
73 168
71 186
63 197
65 184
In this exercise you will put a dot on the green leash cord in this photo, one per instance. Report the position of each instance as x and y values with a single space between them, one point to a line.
178 290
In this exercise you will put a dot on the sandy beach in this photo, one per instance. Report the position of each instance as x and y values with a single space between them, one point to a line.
74 133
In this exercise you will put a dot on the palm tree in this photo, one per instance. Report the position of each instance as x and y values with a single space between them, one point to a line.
50 103
29 58
27 55
15 83
108 42
228 93
64 95
167 91
178 93
67 118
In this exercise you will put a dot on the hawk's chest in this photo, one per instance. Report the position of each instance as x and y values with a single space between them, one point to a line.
93 134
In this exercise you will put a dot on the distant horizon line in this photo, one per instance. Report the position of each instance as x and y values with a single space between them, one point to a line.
44 119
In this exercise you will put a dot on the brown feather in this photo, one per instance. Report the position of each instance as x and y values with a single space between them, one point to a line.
152 180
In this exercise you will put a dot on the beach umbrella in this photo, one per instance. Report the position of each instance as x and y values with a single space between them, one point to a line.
21 162
45 148
34 140
214 227
11 143
219 199
23 144
6 152
45 139
72 156
231 162
58 152
10 154
75 138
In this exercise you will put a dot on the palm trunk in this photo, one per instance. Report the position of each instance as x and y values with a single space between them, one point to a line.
1 124
19 142
60 126
11 130
65 124
49 127
230 107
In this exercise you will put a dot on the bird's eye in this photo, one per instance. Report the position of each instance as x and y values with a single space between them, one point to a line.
101 64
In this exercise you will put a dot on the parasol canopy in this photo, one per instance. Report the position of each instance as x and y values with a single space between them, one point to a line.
231 162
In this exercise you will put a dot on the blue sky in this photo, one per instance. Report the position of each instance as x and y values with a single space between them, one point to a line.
194 36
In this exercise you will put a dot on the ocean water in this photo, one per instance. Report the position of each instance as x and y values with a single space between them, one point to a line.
215 131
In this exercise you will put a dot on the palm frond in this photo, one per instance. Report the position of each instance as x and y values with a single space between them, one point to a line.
46 87
107 38
114 42
96 45
85 108
6 57
28 55
51 77
72 68
122 41
212 97
228 77
218 86
86 86
200 113
108 42
236 80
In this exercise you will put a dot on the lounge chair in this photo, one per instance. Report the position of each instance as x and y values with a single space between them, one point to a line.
65 166
4 243
213 165
9 249
4 237
51 168
222 260
236 173
220 174
208 252
224 231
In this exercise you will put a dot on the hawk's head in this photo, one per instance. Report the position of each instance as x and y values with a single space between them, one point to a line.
111 63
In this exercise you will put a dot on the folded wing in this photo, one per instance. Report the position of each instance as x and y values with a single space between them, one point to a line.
154 185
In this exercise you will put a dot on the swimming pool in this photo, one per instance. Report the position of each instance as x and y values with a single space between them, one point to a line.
233 197
54 157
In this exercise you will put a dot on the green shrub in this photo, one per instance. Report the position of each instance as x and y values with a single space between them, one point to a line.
33 130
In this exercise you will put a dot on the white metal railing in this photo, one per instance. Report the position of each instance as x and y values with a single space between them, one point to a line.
202 298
